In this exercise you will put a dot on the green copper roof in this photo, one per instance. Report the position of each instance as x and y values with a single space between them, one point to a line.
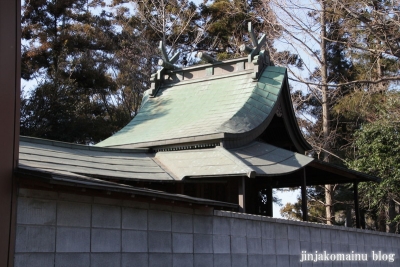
202 109
255 159
78 160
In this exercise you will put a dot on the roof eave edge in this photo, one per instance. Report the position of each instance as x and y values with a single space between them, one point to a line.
35 140
290 120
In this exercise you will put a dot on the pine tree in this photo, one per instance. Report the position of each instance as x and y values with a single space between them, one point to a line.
68 50
228 26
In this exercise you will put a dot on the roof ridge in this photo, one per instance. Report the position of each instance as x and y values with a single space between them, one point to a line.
208 78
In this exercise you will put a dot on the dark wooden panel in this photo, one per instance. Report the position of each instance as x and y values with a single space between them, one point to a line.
9 116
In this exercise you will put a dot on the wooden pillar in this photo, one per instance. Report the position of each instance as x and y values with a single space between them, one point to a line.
242 194
228 191
356 205
201 185
251 196
362 219
180 189
391 228
270 202
10 75
304 195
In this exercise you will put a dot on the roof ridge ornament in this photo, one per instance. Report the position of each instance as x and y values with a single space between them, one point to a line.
257 44
206 57
259 58
166 64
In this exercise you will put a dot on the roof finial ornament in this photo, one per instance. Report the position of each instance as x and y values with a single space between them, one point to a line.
165 62
206 57
257 44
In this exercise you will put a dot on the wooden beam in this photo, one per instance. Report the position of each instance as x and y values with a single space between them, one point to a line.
246 49
256 43
252 34
206 57
356 205
175 58
304 196
167 65
163 51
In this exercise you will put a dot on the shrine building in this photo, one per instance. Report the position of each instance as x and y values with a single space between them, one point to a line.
223 133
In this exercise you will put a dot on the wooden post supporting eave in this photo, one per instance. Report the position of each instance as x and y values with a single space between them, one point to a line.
242 194
356 205
270 211
180 188
304 195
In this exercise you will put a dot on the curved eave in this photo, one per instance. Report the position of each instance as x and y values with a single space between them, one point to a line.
352 175
290 120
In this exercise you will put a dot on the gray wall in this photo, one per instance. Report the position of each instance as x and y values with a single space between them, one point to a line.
56 229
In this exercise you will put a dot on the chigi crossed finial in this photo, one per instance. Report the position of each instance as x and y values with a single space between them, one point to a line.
257 44
165 62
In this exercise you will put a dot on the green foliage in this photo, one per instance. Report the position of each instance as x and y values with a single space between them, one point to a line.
68 50
292 211
62 113
228 23
360 106
315 204
91 69
377 152
227 26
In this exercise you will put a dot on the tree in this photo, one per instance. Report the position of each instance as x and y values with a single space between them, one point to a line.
70 51
133 61
293 211
227 26
175 22
306 30
332 48
373 22
377 152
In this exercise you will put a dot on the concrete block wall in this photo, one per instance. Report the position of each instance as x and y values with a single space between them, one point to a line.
58 229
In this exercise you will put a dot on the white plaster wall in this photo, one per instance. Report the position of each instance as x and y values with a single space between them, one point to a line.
56 229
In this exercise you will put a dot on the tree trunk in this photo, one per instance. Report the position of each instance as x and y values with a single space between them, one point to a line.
325 113
382 220
391 227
